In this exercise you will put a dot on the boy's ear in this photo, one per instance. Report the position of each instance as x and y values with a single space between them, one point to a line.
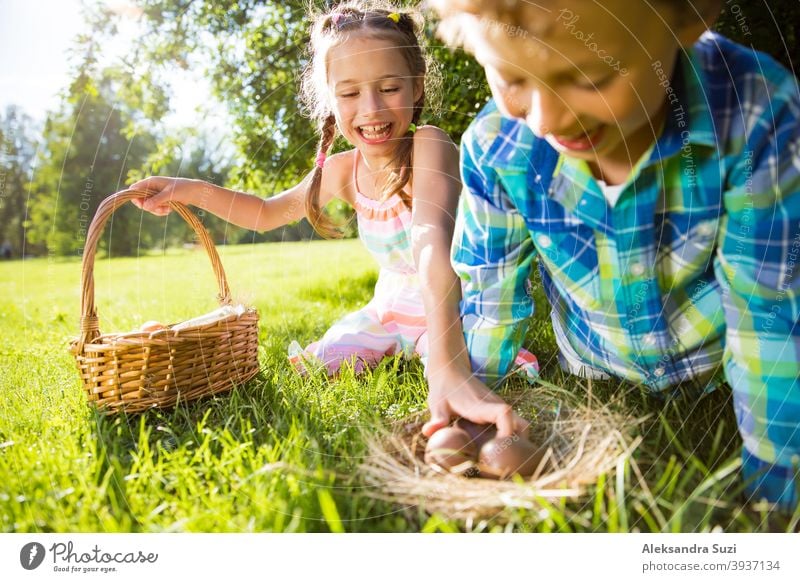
697 18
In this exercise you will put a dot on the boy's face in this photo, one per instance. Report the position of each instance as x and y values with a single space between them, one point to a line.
582 74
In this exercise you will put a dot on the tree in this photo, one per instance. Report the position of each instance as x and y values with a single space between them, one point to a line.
770 27
17 151
88 149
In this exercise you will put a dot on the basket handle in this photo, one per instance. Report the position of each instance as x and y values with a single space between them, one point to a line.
90 325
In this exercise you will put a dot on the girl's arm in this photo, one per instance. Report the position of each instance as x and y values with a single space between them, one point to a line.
453 390
239 208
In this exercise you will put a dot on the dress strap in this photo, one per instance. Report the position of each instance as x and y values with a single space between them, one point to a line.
355 170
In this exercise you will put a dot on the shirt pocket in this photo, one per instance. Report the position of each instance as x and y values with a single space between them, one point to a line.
686 246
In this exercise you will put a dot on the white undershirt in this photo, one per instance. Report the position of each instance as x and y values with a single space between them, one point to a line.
611 193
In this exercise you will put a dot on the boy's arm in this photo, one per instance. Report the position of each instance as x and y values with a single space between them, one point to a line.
493 254
759 270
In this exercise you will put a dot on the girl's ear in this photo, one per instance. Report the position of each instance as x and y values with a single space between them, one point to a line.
419 87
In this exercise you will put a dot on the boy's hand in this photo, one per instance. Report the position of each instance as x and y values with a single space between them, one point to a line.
161 191
459 393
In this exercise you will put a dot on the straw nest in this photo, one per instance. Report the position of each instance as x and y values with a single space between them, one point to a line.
584 441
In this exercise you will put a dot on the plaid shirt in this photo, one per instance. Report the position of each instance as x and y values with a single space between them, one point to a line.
695 270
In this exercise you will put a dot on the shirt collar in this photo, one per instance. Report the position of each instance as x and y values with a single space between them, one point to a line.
688 119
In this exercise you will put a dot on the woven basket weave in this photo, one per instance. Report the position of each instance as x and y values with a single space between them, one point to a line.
138 370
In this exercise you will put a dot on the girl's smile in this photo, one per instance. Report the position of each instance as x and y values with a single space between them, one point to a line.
376 133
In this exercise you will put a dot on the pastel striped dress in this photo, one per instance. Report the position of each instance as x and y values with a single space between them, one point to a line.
393 322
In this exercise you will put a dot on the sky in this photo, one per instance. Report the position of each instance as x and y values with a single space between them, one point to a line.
35 36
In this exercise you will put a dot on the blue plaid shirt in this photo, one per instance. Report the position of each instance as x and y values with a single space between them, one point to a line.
692 274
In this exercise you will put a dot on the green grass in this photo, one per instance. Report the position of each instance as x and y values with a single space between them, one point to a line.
282 453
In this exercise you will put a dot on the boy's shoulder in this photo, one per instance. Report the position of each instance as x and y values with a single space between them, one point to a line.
741 79
739 96
493 140
736 62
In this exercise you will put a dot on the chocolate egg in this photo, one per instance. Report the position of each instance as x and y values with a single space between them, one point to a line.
152 326
449 448
501 458
479 433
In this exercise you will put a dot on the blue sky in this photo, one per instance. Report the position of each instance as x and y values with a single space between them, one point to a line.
35 36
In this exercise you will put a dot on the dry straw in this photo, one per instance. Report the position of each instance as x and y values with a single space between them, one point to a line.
138 370
585 441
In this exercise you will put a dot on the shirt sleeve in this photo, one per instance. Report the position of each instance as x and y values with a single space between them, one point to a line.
492 253
759 270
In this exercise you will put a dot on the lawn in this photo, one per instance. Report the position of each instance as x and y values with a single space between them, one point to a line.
282 453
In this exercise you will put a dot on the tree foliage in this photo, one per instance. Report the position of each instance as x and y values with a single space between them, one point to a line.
109 131
17 152
771 27
89 149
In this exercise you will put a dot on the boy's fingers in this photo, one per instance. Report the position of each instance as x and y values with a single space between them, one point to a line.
523 426
433 425
439 419
508 422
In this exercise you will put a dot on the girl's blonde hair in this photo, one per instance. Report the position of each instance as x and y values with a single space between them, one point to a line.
329 30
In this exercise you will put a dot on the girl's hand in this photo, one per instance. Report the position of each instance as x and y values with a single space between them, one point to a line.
162 190
455 392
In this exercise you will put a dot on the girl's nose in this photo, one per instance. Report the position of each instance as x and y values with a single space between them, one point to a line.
371 102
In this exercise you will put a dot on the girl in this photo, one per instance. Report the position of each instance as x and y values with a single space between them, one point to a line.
366 82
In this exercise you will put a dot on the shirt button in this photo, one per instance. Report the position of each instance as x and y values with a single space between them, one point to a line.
705 229
544 241
637 269
658 372
650 339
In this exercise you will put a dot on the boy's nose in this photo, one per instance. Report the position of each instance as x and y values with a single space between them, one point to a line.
548 113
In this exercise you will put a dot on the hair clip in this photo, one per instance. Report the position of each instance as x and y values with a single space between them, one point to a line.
412 127
394 16
335 18
321 157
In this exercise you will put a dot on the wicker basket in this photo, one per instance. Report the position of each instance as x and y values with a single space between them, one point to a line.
138 370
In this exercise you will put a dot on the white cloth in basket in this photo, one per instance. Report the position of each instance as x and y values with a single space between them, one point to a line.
218 314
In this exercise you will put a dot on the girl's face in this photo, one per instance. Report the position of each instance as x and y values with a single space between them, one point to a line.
372 92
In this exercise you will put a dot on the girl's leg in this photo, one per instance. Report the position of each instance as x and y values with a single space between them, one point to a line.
358 338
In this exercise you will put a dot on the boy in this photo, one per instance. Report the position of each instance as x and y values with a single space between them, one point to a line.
654 170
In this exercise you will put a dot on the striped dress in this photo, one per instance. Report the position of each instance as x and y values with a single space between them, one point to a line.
393 322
